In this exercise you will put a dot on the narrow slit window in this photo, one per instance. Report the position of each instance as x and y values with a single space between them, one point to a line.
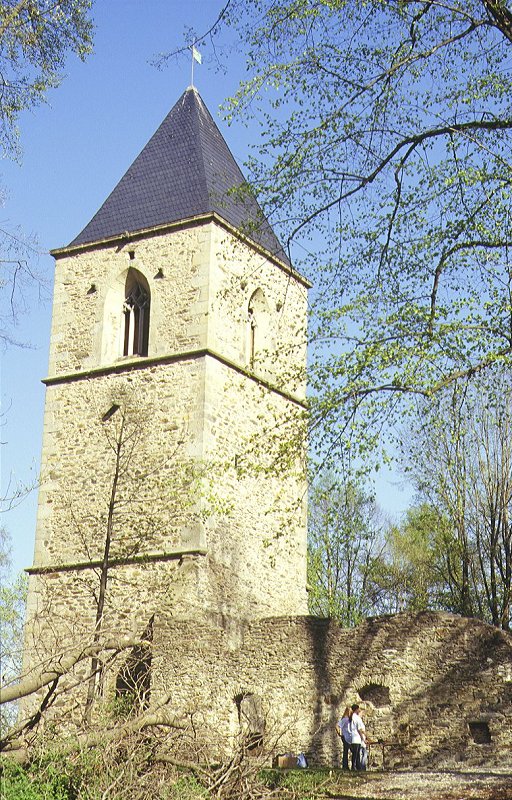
252 337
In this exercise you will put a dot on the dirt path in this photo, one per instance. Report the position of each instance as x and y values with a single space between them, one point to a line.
428 786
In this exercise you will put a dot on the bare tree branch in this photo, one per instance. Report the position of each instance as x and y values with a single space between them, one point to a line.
501 15
163 58
63 664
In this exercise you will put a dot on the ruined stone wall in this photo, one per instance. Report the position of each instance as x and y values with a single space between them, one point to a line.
435 688
64 608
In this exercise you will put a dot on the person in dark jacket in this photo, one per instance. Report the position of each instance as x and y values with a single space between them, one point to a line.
343 731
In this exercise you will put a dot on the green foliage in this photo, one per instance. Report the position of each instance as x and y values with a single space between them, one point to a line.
316 783
460 457
18 783
122 706
408 575
187 787
384 163
13 594
35 39
344 537
55 778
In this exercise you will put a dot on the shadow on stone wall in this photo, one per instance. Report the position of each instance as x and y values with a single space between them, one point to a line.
443 672
318 631
462 692
421 678
337 670
431 674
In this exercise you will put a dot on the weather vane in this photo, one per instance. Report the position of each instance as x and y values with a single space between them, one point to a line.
196 56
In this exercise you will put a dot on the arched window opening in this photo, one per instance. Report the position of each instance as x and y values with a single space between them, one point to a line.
136 315
375 693
133 682
252 721
258 324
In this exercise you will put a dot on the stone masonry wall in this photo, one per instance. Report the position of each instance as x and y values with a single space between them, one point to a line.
201 279
162 409
257 519
435 688
198 473
280 323
89 292
174 494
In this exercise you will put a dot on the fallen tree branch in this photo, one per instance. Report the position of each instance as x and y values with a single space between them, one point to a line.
63 665
196 769
85 741
157 716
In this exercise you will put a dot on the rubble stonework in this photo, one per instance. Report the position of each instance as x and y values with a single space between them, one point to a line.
443 677
197 477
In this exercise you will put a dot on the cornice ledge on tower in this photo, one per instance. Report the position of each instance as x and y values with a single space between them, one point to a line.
126 365
121 561
129 236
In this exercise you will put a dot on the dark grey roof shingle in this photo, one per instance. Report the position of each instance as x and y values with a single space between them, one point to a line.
185 170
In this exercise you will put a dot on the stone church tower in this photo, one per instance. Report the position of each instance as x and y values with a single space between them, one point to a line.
173 460
172 499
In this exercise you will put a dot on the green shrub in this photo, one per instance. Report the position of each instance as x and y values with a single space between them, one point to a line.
17 783
186 787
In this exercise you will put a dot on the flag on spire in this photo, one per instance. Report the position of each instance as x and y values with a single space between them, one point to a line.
196 56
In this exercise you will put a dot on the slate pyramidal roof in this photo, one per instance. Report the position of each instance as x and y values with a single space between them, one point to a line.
186 170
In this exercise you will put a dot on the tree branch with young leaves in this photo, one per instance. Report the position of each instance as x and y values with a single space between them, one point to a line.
384 162
35 40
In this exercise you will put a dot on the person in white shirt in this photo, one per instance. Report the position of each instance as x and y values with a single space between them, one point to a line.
357 735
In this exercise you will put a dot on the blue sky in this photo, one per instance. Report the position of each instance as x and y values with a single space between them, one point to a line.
75 149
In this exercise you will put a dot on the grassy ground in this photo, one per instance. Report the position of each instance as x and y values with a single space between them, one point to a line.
59 779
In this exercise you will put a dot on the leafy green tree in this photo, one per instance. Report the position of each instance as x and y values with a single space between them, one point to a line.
461 461
435 458
35 39
384 161
13 594
409 575
344 537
